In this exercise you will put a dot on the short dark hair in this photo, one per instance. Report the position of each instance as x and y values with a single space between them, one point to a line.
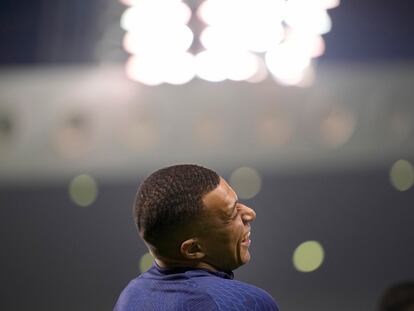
399 297
170 199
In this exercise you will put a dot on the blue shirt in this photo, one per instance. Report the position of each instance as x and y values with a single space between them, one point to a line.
187 289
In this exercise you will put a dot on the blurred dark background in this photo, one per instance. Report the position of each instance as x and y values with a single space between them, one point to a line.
334 159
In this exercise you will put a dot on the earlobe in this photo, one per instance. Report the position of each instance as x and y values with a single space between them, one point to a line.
191 249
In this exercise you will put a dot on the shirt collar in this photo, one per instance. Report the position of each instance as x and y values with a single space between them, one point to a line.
180 270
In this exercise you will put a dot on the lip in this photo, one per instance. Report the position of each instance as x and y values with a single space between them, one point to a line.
246 240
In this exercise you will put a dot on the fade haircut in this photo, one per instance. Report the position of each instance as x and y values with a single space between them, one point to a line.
170 199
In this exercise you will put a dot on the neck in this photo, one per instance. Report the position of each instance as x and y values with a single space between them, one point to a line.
171 263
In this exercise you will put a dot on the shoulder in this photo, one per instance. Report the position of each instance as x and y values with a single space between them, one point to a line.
159 295
235 295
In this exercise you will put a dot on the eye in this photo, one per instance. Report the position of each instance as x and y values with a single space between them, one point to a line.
236 212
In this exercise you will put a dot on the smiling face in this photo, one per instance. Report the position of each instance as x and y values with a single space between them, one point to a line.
225 229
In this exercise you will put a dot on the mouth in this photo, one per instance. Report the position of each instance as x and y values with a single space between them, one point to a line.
246 240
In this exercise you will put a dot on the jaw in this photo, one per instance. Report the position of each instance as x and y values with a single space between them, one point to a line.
243 255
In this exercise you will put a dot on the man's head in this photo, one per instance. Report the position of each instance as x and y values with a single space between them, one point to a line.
399 297
189 216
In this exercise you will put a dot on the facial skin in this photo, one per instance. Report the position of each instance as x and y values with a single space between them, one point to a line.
220 238
224 238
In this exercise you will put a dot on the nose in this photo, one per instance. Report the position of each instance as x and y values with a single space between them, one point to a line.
248 214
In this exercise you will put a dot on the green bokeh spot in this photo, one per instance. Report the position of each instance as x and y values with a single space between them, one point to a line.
145 262
83 190
402 175
308 256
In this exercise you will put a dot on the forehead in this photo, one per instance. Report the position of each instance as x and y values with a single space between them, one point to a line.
221 199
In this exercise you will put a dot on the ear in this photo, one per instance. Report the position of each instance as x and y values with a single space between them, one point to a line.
191 249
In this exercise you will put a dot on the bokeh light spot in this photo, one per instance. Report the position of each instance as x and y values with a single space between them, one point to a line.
83 190
73 138
208 132
145 262
141 135
402 175
275 131
337 128
246 182
308 256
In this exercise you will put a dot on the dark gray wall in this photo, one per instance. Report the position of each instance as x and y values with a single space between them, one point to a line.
56 256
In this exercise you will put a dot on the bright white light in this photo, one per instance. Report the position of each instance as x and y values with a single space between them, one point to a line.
147 13
215 12
179 68
256 38
144 69
308 77
154 69
241 65
330 4
174 38
261 72
259 38
158 38
218 65
214 38
317 46
308 43
287 64
248 25
321 4
235 30
239 13
210 66
307 16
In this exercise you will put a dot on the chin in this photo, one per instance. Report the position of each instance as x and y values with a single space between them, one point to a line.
246 258
243 260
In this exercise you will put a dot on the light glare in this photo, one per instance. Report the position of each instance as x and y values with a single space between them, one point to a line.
308 256
287 64
402 175
83 190
246 182
253 26
147 13
176 38
153 69
210 66
144 69
240 13
235 29
241 66
337 128
145 262
261 72
306 16
179 68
